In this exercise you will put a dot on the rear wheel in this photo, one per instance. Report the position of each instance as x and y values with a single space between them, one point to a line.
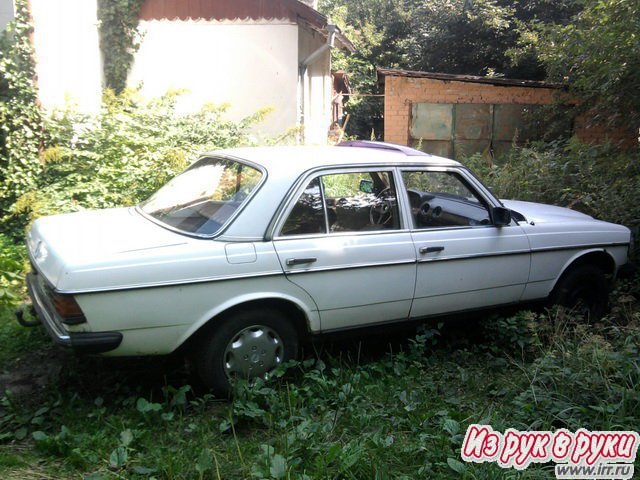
249 344
584 290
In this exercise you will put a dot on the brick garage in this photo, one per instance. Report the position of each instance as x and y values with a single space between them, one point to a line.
487 102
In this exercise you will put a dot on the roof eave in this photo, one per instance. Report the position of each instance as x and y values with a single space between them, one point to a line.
448 77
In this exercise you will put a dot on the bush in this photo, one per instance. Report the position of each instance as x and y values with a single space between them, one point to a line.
12 258
121 155
600 181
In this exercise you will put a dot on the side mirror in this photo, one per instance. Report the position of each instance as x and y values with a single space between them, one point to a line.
366 186
501 216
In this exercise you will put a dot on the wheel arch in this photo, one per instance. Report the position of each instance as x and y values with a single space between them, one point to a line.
599 258
304 319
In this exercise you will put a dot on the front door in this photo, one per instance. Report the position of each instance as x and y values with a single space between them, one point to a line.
464 261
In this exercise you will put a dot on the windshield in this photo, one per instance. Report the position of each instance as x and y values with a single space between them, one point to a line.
202 198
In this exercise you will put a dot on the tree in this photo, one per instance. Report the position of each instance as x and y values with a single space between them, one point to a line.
463 37
473 37
598 56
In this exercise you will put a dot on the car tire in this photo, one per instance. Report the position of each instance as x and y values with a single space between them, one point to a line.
584 289
247 344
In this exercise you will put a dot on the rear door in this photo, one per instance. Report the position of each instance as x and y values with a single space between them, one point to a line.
343 239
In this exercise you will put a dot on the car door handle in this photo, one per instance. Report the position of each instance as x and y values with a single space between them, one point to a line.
424 250
300 261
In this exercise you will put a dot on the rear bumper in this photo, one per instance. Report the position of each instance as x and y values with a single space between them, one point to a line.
87 342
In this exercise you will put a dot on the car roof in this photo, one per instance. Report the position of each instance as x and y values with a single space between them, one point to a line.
285 165
296 160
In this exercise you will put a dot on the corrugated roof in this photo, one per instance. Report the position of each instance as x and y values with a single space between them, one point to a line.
507 82
231 10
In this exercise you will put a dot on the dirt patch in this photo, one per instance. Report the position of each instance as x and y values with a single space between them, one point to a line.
32 372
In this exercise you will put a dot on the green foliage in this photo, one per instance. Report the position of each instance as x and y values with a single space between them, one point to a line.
518 333
12 258
597 180
602 361
119 157
464 37
20 121
598 55
119 39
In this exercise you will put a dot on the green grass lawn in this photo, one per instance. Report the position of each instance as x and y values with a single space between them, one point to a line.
373 407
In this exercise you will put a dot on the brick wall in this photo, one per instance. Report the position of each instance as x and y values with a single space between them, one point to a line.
402 91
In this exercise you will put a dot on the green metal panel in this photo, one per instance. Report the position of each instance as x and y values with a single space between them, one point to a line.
458 130
431 121
473 121
464 148
515 122
442 148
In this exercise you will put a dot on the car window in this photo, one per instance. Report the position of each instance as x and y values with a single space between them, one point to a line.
204 197
443 199
307 216
352 202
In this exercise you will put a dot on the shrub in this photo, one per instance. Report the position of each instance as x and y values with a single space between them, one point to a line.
121 155
12 260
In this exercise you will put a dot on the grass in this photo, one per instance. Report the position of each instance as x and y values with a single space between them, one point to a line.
368 407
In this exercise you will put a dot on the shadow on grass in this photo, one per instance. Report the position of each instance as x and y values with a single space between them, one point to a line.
50 367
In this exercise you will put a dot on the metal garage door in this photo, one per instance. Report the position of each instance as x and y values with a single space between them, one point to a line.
461 129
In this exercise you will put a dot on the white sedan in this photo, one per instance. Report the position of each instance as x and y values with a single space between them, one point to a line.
250 250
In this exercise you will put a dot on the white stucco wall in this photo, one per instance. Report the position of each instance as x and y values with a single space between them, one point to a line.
245 64
6 13
317 89
68 61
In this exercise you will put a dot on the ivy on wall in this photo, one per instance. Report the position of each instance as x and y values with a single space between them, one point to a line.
21 128
119 39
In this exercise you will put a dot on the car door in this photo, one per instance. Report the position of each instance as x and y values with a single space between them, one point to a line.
464 260
343 239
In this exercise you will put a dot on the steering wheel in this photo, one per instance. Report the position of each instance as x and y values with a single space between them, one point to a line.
381 212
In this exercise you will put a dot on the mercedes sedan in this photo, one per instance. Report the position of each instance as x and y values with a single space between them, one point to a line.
251 250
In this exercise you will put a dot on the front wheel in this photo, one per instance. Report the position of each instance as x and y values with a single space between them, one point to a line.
584 290
249 344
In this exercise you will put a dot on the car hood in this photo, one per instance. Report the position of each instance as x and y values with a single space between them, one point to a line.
63 243
541 213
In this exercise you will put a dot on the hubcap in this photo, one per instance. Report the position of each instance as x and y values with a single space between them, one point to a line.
253 352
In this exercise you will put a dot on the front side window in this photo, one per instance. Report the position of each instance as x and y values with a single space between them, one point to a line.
443 199
345 202
202 199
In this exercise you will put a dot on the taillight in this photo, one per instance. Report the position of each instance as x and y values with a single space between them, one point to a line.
67 307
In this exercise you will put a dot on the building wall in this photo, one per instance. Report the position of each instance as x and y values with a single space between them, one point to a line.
589 131
316 88
402 92
6 13
248 65
68 60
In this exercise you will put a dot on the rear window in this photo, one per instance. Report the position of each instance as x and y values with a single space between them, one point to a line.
204 197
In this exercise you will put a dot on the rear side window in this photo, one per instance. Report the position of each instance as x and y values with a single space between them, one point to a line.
345 202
